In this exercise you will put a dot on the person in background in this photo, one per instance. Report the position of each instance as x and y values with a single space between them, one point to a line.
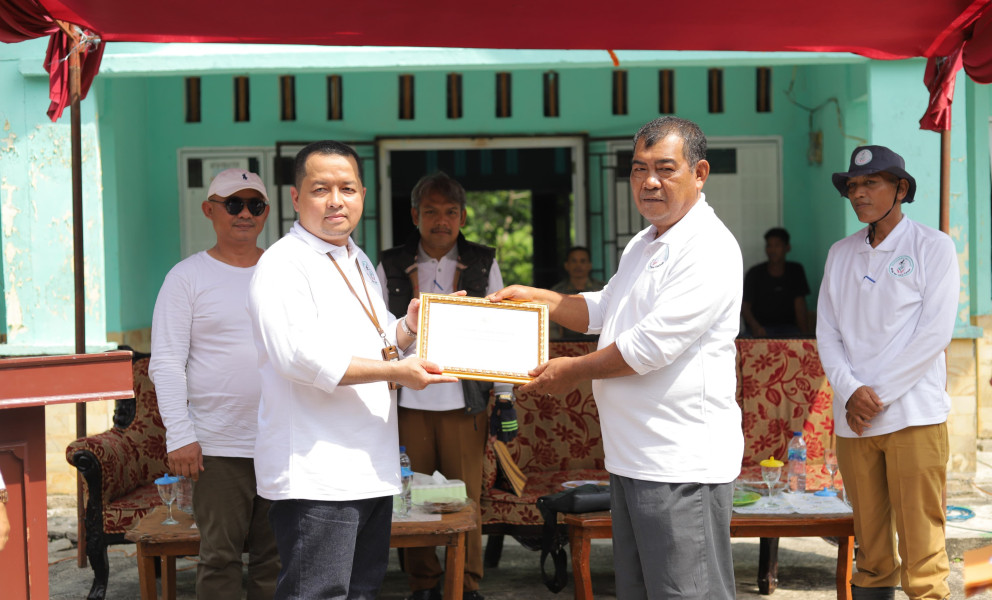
578 265
664 375
886 313
444 428
204 368
327 451
775 292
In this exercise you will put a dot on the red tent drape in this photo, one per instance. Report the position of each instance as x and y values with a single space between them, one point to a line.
977 55
27 19
967 43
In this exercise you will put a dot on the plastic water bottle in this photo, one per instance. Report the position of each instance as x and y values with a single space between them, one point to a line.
797 463
406 473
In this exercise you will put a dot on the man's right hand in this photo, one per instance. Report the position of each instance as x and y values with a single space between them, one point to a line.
187 461
417 373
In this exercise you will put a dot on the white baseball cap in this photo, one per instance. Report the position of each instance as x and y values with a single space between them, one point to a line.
230 181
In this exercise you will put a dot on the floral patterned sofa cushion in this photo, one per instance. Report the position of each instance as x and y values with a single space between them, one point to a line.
558 440
781 389
130 455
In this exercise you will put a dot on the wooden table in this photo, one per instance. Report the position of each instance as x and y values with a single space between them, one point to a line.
584 527
450 531
27 386
157 541
154 540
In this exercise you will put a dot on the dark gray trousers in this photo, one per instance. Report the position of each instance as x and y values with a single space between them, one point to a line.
672 540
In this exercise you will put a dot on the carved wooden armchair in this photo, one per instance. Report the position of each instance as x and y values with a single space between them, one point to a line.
119 467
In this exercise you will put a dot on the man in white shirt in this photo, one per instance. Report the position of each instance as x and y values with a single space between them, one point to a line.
443 428
886 313
663 375
204 368
327 448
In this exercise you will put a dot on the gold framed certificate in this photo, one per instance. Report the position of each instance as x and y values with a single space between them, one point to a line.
473 338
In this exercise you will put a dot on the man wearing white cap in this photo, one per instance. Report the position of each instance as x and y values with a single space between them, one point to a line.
886 313
205 371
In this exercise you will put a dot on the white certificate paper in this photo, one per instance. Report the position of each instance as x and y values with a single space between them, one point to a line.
472 338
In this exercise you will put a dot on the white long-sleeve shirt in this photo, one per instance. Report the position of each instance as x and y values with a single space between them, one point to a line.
436 277
673 309
202 352
319 440
884 317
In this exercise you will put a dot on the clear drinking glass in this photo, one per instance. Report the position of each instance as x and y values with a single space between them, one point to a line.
771 472
830 460
167 492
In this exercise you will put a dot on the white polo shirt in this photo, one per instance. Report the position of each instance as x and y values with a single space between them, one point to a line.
884 317
318 440
673 309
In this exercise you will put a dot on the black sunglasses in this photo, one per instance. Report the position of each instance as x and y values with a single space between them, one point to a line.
234 205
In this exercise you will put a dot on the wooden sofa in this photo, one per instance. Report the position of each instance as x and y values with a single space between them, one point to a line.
781 389
119 467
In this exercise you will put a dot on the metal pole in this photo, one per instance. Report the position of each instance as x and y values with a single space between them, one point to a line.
75 87
945 181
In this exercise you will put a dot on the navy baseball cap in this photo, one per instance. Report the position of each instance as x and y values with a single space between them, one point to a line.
866 160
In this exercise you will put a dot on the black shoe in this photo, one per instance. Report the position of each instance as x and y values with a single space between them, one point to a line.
433 593
473 595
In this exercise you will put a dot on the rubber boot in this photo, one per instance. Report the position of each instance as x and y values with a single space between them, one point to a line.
872 593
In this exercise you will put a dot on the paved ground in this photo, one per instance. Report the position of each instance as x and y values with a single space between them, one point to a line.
806 565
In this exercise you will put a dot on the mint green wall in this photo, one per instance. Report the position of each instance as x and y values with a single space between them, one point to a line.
36 215
142 219
976 127
893 109
142 125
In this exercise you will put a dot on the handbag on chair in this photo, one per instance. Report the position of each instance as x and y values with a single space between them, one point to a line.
580 499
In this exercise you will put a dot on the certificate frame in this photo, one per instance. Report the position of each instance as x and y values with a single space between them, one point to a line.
473 338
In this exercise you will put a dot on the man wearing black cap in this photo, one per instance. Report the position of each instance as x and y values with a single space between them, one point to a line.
886 313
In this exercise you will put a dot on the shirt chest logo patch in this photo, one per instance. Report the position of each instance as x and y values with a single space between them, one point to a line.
901 266
370 272
659 259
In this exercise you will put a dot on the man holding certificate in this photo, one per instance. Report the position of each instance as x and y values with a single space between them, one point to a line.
327 451
663 375
444 427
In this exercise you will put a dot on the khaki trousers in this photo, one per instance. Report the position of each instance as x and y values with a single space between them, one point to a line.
453 443
230 515
895 483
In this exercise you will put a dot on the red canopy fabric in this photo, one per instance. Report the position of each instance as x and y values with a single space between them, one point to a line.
881 29
26 19
977 57
968 36
875 28
939 79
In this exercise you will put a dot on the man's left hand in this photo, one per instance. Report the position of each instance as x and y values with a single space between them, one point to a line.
552 377
857 424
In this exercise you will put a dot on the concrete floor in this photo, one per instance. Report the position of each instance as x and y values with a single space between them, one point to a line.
806 571
806 565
